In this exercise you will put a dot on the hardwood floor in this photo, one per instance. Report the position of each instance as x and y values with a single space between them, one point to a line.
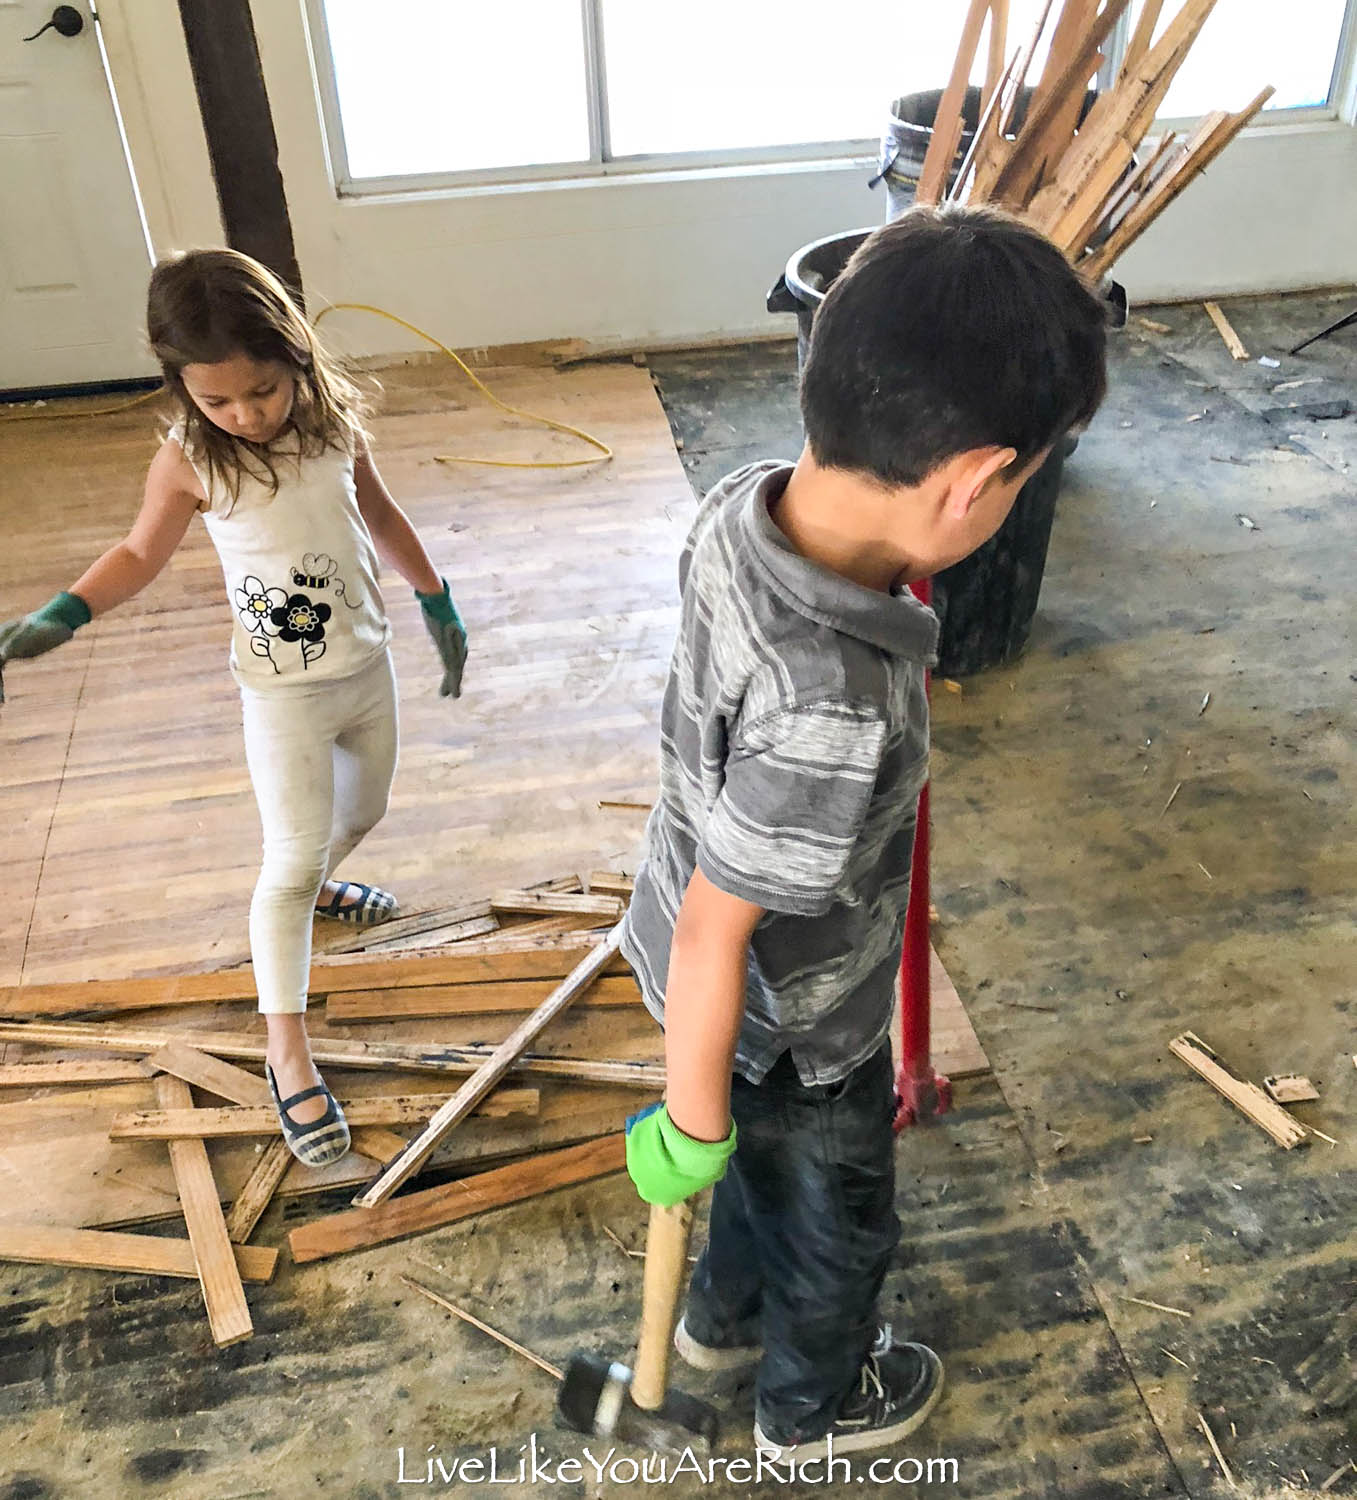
129 834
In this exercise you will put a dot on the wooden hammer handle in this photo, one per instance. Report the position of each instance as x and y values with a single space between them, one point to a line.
666 1267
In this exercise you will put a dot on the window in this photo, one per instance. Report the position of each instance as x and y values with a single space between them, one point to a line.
442 92
1248 43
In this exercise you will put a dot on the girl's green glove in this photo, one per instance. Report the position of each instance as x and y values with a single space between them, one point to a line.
445 626
46 628
668 1166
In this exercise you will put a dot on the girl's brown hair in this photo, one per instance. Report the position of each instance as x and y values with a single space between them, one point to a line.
205 306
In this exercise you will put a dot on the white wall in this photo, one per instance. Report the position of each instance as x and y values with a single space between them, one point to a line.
684 257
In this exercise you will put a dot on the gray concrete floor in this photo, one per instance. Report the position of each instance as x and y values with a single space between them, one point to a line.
1084 923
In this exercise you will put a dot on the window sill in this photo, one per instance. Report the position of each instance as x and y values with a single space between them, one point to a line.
385 192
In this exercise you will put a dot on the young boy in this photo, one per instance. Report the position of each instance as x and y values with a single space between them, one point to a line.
765 930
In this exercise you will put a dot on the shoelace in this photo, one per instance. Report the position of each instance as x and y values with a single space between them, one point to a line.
870 1384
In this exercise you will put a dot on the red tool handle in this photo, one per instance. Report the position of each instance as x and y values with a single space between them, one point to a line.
920 1091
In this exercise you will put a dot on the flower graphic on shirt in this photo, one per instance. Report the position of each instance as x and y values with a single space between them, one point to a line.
299 619
256 605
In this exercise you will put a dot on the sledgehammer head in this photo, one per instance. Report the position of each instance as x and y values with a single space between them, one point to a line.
595 1398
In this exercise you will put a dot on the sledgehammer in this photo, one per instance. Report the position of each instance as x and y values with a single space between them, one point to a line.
605 1399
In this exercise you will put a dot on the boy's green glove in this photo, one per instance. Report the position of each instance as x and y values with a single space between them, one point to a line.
444 624
668 1166
46 628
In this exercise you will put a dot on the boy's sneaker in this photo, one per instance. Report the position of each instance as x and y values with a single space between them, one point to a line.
897 1389
713 1357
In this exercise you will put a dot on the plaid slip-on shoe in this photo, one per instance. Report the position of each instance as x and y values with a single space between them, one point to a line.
369 908
315 1143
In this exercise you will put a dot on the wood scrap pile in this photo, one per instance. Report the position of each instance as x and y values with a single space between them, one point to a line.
1042 152
160 1115
125 1102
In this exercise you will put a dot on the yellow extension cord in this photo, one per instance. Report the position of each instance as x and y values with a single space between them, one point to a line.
605 452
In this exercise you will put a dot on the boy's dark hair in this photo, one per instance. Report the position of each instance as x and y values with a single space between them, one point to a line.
950 329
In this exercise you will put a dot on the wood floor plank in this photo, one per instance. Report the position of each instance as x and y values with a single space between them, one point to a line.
414 1213
414 1056
228 1313
469 999
262 1119
102 1250
258 1191
457 966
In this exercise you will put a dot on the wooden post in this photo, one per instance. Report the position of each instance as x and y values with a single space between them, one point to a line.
224 56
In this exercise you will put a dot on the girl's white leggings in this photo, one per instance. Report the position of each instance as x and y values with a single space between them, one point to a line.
321 760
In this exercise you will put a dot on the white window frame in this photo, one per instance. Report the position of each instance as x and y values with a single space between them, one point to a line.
602 163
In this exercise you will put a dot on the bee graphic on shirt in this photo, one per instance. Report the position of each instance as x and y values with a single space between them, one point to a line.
319 571
316 571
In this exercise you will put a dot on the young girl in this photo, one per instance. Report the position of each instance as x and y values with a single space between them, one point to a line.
268 447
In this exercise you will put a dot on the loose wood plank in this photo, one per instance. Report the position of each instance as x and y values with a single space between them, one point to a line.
463 965
983 138
611 883
432 937
1141 37
1064 215
437 920
1226 330
74 1071
1038 138
415 1057
103 1250
228 1314
469 999
489 1073
1128 110
257 1193
996 47
1282 1126
415 1213
948 122
559 904
262 1119
1200 152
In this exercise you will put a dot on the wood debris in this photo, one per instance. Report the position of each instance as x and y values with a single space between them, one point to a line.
103 1250
1226 330
1290 1088
1215 1448
430 1208
503 955
1247 1097
213 1253
475 1322
1178 1312
1076 167
501 1061
191 1087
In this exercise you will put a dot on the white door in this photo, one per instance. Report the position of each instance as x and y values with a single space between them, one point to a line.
74 255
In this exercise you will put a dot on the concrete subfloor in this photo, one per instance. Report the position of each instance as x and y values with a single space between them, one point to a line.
1086 920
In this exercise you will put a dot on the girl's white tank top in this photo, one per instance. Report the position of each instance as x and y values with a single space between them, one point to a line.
300 572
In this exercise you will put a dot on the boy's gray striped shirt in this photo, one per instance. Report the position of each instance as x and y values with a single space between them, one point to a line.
793 745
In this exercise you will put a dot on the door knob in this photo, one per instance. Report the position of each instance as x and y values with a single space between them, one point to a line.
66 21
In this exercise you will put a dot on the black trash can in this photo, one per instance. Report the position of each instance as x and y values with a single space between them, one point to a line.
987 601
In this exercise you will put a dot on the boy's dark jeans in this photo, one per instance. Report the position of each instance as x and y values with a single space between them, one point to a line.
802 1229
